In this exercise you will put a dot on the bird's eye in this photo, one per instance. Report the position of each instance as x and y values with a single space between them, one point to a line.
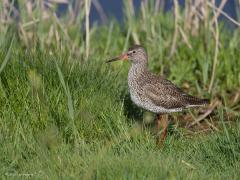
134 52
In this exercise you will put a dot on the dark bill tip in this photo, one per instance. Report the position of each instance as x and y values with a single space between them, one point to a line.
122 57
113 59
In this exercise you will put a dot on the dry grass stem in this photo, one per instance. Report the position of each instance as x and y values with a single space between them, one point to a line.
220 8
216 35
202 117
185 38
100 11
157 6
23 34
29 8
188 164
131 14
75 11
211 125
224 14
87 26
30 23
175 35
144 17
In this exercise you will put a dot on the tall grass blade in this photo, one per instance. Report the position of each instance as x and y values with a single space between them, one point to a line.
7 57
67 92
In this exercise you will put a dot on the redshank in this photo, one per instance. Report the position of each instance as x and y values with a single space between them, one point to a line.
155 93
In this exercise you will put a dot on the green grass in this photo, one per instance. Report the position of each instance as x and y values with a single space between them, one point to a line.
61 116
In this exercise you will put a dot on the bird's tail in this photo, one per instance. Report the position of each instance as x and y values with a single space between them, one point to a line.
195 102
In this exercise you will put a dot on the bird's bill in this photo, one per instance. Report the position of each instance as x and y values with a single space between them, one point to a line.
122 57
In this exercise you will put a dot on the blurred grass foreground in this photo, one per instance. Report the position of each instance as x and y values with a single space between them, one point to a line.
64 113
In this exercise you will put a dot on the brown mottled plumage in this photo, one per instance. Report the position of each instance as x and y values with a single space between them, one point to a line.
164 93
154 93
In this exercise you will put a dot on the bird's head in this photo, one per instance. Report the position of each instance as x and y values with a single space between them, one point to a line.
135 54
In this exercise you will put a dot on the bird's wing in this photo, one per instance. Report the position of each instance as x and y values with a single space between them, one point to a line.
165 94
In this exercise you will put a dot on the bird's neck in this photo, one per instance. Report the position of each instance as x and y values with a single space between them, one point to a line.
137 70
141 65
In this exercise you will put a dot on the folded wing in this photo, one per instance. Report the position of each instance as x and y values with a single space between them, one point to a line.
165 94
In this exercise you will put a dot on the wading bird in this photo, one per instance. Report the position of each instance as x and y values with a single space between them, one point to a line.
155 93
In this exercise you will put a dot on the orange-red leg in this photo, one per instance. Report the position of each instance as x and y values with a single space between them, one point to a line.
161 123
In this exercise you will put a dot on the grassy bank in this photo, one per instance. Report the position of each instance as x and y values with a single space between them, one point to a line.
65 113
